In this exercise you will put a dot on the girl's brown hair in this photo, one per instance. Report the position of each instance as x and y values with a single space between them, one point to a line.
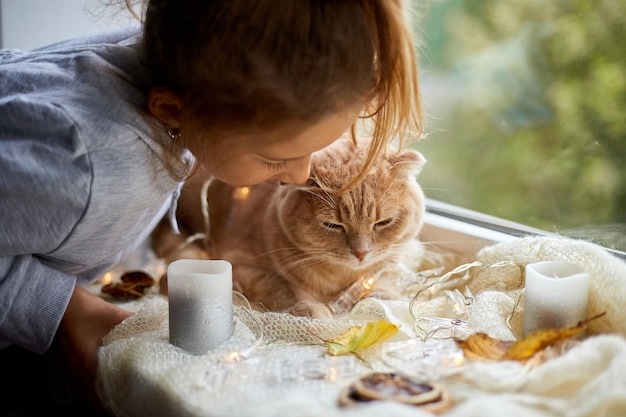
245 65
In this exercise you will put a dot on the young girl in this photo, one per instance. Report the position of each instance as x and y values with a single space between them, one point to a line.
98 134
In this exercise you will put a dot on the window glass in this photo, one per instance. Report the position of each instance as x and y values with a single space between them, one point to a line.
526 112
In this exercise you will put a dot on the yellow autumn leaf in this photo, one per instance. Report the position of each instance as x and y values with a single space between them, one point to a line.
539 340
481 346
359 337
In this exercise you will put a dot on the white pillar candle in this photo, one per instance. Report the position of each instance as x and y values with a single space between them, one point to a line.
556 295
200 296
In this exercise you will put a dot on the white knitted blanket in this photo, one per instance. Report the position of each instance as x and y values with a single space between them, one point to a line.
284 369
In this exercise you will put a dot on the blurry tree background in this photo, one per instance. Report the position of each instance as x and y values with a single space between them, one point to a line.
526 105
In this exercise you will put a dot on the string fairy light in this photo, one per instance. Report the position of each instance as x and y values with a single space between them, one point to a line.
357 291
243 354
439 327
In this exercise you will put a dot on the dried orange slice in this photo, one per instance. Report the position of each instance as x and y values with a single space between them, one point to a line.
389 386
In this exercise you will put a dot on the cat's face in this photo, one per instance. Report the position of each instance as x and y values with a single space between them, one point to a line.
364 225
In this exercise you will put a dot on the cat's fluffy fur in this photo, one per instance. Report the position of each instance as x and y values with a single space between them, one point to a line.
297 248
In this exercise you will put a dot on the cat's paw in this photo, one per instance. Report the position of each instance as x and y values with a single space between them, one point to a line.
311 309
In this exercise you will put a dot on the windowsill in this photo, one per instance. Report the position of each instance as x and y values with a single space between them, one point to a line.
465 232
451 235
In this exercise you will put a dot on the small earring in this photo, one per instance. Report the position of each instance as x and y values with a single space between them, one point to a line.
173 133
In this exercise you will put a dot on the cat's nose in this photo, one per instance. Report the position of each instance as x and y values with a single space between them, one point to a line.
360 254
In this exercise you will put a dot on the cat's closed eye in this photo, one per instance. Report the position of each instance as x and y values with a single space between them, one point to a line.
383 223
330 225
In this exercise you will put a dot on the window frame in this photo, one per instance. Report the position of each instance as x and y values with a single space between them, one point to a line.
463 230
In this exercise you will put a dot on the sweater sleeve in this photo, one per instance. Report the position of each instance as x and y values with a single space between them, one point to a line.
107 36
45 179
33 299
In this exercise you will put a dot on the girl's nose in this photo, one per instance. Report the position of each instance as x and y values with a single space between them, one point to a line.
298 172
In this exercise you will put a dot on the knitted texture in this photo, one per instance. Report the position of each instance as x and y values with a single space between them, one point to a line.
276 364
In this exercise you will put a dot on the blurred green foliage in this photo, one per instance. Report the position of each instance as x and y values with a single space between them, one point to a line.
527 111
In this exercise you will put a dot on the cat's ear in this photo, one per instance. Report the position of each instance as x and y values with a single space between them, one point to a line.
408 161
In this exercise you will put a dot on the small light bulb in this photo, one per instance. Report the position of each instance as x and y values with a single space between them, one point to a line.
233 357
107 278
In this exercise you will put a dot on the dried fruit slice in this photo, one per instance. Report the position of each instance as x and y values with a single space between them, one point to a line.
390 386
132 285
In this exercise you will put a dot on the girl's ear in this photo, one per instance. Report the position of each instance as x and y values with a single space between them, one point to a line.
166 106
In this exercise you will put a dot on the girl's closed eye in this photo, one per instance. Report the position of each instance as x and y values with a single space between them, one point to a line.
275 166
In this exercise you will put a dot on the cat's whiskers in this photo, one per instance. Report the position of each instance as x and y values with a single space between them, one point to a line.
294 253
395 252
327 197
301 263
309 251
311 257
387 195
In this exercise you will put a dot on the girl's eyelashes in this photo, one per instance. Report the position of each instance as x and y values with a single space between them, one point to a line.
275 166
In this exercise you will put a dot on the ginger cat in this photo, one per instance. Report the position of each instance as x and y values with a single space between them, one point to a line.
297 248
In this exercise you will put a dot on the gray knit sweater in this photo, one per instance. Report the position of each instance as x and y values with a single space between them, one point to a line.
82 179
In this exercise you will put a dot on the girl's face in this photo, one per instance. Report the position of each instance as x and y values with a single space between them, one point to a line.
282 154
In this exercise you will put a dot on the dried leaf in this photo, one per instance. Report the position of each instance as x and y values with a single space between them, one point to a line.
536 342
359 337
481 346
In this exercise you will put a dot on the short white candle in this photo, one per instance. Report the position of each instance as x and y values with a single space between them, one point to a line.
200 296
556 295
